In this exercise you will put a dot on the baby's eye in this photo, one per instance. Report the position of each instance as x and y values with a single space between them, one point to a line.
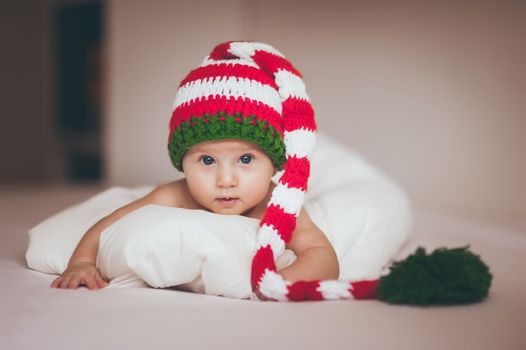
207 160
245 159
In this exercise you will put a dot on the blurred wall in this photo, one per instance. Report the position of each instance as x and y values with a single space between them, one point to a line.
28 148
433 95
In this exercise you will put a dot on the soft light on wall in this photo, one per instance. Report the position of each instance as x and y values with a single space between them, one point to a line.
431 94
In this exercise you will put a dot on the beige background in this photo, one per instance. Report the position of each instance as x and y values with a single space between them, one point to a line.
431 92
433 95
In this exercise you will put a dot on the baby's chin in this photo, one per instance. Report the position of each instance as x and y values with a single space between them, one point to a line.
228 212
230 208
217 208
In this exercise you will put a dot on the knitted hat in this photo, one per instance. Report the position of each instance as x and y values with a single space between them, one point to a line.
234 94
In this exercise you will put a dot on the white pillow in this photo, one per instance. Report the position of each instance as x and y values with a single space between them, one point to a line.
363 213
201 251
52 241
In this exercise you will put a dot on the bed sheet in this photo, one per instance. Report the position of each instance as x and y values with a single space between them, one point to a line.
36 316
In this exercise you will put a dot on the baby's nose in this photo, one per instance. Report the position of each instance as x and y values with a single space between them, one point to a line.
226 177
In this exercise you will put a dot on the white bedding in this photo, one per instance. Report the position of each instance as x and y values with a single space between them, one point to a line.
34 316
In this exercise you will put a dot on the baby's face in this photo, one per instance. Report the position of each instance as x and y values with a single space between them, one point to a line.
228 176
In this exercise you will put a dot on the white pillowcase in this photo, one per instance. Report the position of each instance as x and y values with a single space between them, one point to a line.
363 213
198 250
52 241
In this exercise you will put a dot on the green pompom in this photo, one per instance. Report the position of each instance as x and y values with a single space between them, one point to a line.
444 277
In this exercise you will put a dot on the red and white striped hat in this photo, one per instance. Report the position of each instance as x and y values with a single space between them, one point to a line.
249 91
242 90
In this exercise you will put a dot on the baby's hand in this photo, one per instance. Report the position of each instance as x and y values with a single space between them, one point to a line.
81 274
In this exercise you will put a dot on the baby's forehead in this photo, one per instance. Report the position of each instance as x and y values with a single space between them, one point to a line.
228 145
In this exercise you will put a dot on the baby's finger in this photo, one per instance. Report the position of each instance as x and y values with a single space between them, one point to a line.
101 282
64 282
56 282
74 282
90 282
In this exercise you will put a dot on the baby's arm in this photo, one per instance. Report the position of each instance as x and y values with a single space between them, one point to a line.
316 258
81 269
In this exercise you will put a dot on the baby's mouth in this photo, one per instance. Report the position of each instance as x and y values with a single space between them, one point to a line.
227 200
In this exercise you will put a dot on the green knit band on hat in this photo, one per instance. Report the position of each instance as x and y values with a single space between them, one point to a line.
223 127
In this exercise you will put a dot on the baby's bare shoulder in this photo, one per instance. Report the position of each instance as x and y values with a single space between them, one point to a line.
172 194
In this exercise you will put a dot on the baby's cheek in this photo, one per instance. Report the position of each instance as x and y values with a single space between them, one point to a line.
259 189
198 188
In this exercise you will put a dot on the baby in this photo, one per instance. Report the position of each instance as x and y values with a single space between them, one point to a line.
237 119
